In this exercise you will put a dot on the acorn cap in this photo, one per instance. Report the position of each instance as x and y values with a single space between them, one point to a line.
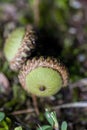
43 76
18 46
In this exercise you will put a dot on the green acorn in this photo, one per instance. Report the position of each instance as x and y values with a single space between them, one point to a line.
43 76
18 46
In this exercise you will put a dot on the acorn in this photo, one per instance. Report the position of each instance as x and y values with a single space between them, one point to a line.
43 76
19 45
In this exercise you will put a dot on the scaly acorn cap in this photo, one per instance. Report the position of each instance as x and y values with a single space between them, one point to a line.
18 46
43 76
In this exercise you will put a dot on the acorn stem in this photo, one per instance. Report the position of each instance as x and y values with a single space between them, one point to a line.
34 98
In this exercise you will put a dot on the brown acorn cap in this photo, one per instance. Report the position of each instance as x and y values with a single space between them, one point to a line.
43 62
28 44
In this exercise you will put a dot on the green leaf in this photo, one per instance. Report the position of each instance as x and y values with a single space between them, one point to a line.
4 125
49 118
64 125
2 116
54 117
18 128
45 127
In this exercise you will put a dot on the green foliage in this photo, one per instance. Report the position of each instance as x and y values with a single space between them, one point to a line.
16 97
51 118
54 124
5 122
4 1
64 126
2 116
46 127
18 128
62 4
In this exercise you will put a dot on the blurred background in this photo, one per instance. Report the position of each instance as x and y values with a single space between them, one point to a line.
61 27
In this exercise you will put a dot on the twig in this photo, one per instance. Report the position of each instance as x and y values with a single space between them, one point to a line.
71 105
36 12
23 111
80 83
28 110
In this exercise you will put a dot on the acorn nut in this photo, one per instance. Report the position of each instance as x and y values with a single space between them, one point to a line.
43 76
19 46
